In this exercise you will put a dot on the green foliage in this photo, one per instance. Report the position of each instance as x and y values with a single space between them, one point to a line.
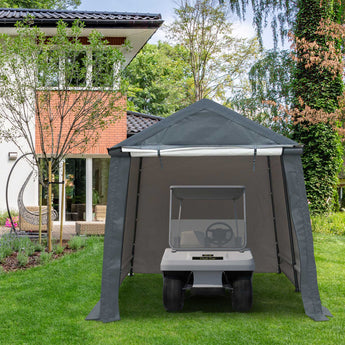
45 4
333 223
45 257
270 88
5 251
29 248
217 59
38 247
11 243
5 246
22 258
22 243
47 67
319 89
58 249
322 159
77 242
4 216
159 78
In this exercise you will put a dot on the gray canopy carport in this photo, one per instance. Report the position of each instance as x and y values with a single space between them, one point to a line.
207 144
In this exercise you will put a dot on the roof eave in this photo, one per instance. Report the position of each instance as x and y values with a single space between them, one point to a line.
90 23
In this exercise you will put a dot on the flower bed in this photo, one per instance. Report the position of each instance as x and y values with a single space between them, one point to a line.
22 253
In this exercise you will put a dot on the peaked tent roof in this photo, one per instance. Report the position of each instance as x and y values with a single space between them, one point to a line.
206 123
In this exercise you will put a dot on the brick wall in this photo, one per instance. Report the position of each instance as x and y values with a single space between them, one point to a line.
113 134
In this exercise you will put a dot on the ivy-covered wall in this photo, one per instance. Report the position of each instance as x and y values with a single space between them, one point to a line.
319 89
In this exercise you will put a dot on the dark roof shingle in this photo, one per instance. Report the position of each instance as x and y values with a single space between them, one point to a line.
46 18
136 122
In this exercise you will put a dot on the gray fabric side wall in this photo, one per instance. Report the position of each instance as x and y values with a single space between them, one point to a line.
107 309
292 166
281 219
128 236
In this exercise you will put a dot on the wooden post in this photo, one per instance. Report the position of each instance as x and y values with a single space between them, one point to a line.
49 206
40 215
40 205
62 201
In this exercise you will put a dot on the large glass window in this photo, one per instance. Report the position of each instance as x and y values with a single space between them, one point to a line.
76 69
100 173
48 69
102 70
80 69
55 188
75 189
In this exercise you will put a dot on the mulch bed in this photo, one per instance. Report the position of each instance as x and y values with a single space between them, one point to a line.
10 263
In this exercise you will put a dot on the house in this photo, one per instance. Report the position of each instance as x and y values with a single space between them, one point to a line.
86 173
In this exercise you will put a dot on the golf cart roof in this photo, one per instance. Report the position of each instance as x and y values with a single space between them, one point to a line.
208 192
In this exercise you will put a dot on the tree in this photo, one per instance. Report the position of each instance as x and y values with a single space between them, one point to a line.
45 4
46 86
159 80
217 60
316 86
56 95
269 89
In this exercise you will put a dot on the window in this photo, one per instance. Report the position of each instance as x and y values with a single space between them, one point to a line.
102 69
48 69
76 69
80 69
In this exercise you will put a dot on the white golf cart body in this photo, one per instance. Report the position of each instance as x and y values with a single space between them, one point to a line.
207 238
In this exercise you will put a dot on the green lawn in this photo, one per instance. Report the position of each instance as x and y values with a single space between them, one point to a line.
48 304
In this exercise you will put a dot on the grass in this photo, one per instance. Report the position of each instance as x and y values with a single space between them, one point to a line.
77 242
48 304
333 223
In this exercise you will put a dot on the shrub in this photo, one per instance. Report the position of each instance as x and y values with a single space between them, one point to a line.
45 257
2 256
77 242
22 243
5 251
58 249
29 248
22 258
38 247
333 223
7 239
4 216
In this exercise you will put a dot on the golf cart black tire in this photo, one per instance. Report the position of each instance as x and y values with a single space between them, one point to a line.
242 295
173 296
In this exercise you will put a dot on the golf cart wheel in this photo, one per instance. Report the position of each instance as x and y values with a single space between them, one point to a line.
173 296
242 295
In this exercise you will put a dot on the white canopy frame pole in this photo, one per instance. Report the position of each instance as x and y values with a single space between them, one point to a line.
203 151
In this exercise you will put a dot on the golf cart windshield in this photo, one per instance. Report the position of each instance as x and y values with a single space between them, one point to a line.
207 217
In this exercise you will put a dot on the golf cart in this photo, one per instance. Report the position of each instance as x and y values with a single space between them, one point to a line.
207 238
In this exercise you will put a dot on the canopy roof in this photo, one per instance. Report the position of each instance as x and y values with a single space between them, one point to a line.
205 124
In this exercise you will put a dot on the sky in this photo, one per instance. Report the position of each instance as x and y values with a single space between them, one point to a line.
166 9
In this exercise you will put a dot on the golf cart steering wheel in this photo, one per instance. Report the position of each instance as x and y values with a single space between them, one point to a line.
219 235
